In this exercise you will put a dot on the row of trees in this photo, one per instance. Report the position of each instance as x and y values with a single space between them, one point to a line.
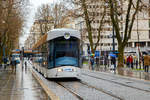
11 24
117 14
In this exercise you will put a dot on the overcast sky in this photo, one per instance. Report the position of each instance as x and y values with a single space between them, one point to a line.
32 9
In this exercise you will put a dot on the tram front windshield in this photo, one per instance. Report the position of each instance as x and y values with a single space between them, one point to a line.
66 52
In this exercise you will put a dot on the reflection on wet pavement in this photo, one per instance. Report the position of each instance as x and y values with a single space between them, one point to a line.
123 71
20 86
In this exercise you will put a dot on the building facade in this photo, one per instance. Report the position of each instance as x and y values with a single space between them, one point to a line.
140 35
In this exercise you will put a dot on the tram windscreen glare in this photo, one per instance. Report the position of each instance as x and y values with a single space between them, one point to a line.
66 53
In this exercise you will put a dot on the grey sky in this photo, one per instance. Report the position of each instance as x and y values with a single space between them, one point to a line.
33 8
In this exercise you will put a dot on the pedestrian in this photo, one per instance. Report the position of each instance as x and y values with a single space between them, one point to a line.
5 62
143 61
97 61
128 61
131 61
25 65
92 62
113 62
140 63
105 61
146 62
109 61
136 62
13 65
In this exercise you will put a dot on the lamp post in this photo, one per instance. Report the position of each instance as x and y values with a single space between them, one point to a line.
114 58
138 43
4 45
113 40
22 56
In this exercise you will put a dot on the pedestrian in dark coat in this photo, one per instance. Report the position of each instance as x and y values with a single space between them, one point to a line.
92 62
25 65
105 61
113 62
136 63
13 64
128 61
5 62
146 62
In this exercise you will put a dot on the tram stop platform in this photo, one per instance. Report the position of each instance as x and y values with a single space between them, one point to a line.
20 85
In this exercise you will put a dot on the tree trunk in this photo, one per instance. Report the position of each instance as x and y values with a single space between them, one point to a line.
120 56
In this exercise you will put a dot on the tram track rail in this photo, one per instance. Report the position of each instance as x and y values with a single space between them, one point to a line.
90 86
101 90
116 82
74 93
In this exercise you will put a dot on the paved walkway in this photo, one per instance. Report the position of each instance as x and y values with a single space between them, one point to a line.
20 85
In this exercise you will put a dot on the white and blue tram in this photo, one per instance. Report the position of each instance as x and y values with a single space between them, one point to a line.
58 54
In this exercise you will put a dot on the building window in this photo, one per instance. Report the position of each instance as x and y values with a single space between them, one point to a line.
142 44
148 44
129 44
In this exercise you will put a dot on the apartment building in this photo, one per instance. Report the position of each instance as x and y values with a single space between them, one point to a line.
37 30
95 10
141 29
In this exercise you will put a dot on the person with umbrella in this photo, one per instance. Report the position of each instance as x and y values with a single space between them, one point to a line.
113 60
92 61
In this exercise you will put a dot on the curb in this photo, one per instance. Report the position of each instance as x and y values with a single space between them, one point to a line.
50 94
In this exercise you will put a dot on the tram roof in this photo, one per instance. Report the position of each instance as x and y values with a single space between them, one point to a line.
55 33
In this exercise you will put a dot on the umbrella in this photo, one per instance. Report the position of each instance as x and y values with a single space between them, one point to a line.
112 55
92 54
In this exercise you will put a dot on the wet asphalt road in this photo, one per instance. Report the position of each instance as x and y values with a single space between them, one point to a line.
20 86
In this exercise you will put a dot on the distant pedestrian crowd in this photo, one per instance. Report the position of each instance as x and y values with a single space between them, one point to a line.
10 61
132 61
108 61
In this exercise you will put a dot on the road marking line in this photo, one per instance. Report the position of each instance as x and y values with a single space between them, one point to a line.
46 89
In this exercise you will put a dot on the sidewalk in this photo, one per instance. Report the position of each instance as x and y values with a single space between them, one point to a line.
124 71
20 85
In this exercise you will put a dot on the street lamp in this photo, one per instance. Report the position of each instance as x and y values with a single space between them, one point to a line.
113 36
4 45
114 59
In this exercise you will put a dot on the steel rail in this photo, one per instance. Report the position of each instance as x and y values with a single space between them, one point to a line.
74 93
101 90
116 82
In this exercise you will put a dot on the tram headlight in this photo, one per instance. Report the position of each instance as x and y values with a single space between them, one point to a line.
59 70
67 35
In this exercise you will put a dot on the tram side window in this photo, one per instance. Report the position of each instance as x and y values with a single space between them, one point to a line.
44 55
51 51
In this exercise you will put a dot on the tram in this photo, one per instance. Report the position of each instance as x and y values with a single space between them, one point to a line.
58 54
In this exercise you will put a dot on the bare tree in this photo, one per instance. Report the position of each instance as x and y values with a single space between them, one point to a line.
52 16
90 13
132 7
43 16
60 15
11 22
